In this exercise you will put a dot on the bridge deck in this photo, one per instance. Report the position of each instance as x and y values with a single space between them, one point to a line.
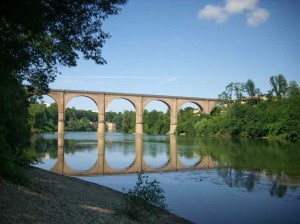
131 94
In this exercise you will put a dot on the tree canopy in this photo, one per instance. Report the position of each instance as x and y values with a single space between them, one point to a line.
37 36
239 90
279 85
277 117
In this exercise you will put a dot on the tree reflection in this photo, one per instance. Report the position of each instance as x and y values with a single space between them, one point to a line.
278 190
238 178
241 163
280 182
42 145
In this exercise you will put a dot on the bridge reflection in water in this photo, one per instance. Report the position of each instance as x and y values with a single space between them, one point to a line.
101 166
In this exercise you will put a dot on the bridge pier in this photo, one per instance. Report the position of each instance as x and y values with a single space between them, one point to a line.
139 128
172 129
61 123
101 128
59 97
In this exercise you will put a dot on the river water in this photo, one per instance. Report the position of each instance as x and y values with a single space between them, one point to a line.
206 180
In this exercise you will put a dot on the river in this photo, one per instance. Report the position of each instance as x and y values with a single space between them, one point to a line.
206 180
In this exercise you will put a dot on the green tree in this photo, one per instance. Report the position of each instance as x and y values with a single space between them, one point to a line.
52 118
156 122
250 89
293 89
279 85
37 117
71 125
229 90
187 120
239 89
37 37
109 116
150 119
118 119
272 118
224 97
128 122
14 129
144 194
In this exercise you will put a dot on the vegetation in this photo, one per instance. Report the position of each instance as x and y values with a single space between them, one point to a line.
44 119
14 130
155 122
276 117
36 38
144 194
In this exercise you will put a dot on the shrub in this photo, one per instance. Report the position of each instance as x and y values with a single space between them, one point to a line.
143 197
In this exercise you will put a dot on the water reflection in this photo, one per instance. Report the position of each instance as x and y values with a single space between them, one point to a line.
231 180
241 163
102 166
119 150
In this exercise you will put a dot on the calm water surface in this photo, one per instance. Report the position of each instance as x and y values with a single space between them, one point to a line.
205 180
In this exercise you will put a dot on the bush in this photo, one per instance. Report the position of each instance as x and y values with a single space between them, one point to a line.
143 197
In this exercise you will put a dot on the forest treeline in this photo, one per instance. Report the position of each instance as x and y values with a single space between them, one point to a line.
276 118
242 111
275 114
43 118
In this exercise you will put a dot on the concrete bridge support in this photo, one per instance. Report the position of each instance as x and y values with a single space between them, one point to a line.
139 112
101 114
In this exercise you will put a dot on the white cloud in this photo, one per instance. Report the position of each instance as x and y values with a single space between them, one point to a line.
239 6
211 12
255 15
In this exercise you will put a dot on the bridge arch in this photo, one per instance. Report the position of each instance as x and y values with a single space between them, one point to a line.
149 100
156 117
52 97
69 98
139 101
171 104
109 99
182 103
135 101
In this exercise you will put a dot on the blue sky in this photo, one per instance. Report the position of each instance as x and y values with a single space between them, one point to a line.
193 47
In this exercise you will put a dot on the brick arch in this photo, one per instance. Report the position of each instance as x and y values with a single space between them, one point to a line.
180 103
109 99
71 96
183 103
53 96
149 100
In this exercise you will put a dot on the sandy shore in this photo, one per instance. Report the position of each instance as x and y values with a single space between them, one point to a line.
53 198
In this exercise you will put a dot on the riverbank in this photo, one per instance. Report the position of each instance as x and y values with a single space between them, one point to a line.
53 198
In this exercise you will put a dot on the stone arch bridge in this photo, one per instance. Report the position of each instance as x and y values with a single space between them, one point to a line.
139 102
